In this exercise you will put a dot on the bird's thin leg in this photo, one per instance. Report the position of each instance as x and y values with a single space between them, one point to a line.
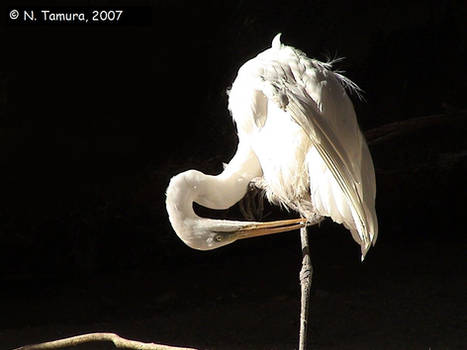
306 274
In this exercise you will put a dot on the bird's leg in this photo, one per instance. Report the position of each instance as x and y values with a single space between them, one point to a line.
306 274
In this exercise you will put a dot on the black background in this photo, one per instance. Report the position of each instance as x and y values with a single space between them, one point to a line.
94 120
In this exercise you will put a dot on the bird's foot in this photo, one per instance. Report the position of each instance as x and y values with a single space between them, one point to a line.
257 183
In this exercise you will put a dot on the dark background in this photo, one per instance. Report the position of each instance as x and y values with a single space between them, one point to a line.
94 121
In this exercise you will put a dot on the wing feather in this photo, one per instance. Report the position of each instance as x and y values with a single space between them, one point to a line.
314 97
334 156
290 88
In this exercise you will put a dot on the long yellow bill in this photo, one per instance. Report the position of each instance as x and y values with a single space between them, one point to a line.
271 227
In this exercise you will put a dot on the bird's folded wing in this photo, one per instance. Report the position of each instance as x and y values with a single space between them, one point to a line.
306 114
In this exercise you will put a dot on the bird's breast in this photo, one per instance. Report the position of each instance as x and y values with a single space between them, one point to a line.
281 147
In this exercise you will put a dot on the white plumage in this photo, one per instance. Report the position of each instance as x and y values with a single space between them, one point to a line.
299 140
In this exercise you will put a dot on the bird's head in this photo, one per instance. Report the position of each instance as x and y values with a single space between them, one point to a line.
196 232
205 233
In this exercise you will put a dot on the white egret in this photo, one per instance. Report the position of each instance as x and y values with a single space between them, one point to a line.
299 141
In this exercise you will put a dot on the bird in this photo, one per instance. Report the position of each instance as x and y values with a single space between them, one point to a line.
298 141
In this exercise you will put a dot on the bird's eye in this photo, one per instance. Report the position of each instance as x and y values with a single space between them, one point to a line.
218 238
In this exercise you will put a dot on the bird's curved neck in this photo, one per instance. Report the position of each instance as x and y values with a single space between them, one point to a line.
215 192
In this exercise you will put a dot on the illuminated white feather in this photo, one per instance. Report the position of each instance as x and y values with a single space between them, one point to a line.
295 119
